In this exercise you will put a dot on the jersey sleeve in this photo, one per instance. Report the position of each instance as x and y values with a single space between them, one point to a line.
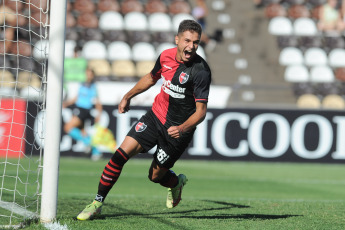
157 69
202 86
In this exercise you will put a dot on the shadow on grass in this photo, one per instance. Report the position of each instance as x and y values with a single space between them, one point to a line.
194 214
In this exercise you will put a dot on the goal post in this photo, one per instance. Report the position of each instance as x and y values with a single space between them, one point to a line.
51 155
32 37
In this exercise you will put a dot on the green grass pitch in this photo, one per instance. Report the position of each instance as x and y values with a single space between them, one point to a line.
218 195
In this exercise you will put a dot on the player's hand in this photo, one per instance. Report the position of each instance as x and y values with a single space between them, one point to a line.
175 131
124 106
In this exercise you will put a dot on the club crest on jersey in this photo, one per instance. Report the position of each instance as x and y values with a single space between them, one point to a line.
140 127
183 77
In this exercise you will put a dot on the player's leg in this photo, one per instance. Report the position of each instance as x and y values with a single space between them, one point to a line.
129 148
71 128
161 173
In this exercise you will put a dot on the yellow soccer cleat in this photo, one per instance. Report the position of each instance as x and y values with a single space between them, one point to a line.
91 211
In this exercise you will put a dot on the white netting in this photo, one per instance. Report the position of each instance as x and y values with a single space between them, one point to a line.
23 64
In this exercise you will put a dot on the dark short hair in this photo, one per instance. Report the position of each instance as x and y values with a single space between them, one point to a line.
189 25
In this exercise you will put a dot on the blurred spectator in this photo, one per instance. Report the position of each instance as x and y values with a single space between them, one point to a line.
200 12
74 68
330 18
342 11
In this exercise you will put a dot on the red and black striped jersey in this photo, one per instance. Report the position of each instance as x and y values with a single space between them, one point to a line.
184 84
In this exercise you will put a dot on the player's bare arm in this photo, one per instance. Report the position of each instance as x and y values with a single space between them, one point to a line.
191 122
142 85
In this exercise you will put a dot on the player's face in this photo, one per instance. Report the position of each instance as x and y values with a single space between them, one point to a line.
89 75
187 44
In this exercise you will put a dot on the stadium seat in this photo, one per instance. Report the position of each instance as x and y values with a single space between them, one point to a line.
290 56
128 6
218 5
101 67
159 22
336 58
275 10
84 6
144 67
28 79
36 5
31 93
123 69
321 74
340 74
178 18
94 50
41 49
298 11
155 6
119 50
163 46
296 73
280 26
333 101
87 20
108 5
22 48
7 79
304 27
69 48
315 12
315 56
70 20
201 52
135 21
111 20
143 51
179 7
308 101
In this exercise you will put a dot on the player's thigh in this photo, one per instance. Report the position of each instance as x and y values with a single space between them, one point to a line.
169 149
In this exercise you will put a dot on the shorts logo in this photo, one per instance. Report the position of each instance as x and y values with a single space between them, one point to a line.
162 156
140 127
183 77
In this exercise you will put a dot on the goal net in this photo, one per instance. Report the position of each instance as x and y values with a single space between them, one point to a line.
23 70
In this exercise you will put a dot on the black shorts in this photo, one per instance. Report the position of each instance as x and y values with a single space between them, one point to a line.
83 114
149 131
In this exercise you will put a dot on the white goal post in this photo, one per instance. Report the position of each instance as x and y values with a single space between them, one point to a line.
32 38
53 110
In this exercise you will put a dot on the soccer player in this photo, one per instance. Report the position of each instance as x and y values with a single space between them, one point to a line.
84 102
176 111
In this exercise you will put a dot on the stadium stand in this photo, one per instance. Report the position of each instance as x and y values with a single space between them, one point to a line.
277 47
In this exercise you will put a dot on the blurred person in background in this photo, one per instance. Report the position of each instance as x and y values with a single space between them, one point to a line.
330 18
200 12
86 99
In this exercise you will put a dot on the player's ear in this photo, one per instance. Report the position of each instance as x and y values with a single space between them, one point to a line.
176 39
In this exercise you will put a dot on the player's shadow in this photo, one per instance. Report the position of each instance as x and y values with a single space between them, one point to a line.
194 213
230 216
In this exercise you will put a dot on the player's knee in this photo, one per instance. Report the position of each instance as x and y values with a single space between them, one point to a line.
154 179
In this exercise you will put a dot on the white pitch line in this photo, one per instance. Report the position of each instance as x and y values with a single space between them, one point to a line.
12 207
55 226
